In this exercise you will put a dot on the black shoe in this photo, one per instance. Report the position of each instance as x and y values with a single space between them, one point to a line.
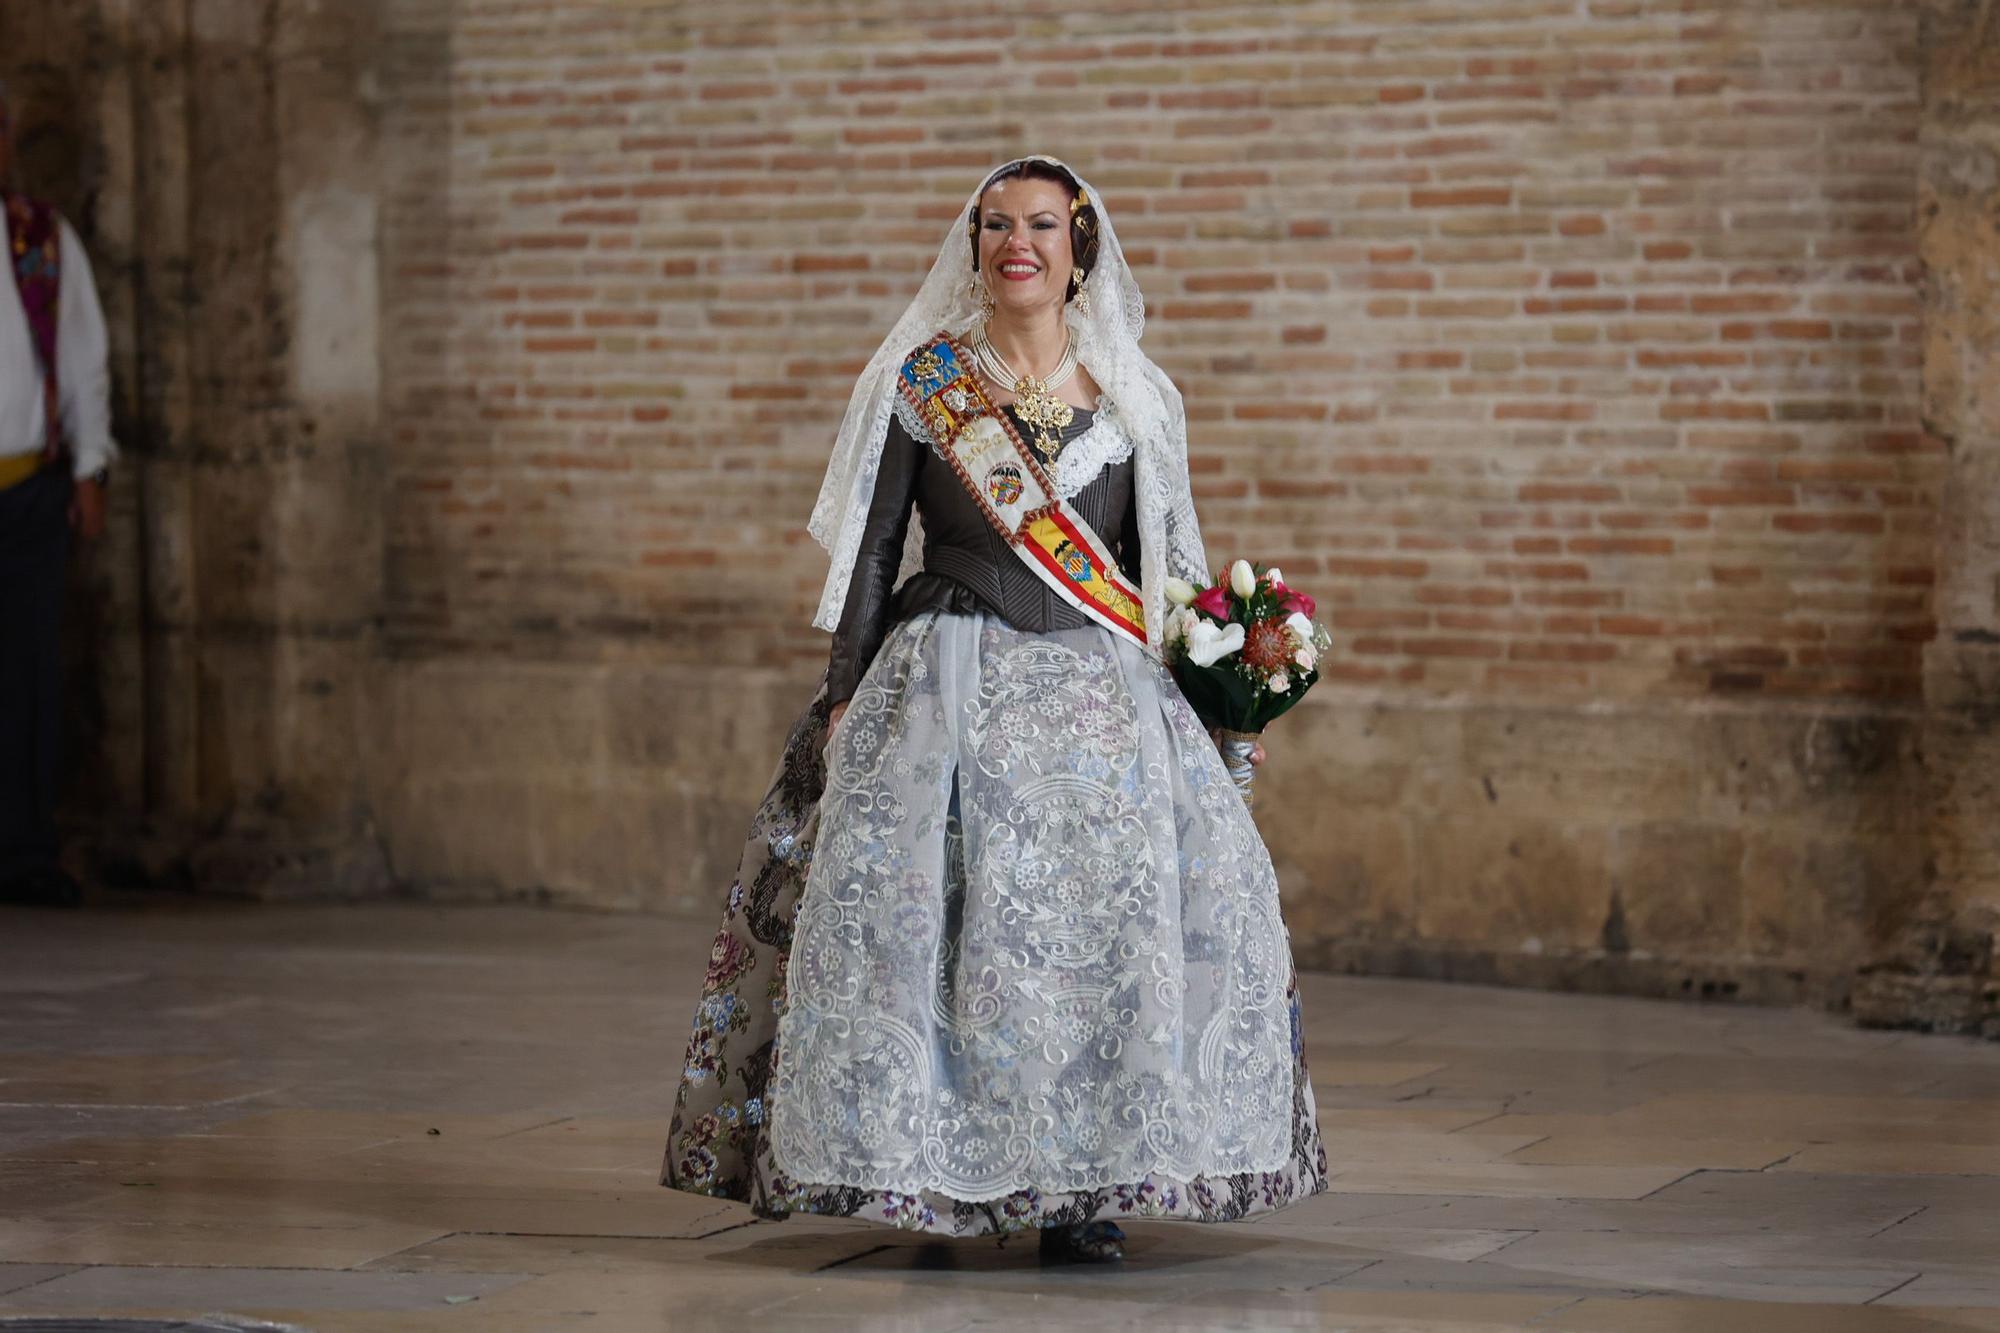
1091 1243
47 887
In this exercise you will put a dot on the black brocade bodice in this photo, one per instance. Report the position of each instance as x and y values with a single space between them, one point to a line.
967 566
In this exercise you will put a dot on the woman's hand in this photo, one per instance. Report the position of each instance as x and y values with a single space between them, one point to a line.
1256 751
833 717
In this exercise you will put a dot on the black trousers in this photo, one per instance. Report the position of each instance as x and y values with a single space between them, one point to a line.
34 550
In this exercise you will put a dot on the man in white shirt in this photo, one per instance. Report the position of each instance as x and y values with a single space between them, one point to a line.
55 447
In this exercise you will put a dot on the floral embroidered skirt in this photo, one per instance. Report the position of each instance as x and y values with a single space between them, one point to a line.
1008 957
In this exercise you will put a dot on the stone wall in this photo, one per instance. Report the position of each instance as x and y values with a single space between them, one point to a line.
1936 963
220 159
481 359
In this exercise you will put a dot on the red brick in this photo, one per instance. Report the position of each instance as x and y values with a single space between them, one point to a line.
1559 650
1620 545
1556 492
1855 523
1356 567
1742 495
1451 646
1498 196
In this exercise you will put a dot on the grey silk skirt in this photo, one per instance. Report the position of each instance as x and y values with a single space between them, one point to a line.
1009 956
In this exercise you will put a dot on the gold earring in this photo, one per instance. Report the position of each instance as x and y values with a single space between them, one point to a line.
979 292
1082 296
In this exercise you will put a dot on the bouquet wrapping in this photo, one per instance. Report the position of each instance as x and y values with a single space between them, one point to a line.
1243 650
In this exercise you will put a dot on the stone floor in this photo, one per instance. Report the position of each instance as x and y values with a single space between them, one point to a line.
401 1118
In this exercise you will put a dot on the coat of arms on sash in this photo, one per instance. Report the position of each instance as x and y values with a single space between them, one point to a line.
1004 484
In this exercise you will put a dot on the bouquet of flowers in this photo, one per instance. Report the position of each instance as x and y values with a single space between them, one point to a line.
1243 651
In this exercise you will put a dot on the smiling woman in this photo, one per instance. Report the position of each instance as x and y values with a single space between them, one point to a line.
1019 224
1004 951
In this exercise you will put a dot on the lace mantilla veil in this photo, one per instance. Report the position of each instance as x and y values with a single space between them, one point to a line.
1145 403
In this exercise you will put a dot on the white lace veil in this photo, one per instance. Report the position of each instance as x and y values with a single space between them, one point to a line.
1147 405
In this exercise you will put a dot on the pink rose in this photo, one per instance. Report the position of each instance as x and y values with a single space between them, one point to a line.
1299 602
1213 602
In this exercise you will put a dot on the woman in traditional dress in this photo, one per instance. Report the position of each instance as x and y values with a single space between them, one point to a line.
1004 950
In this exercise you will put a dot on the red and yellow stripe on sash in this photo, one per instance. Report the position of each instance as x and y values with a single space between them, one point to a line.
1065 546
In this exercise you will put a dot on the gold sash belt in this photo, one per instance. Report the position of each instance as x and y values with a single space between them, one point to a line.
17 468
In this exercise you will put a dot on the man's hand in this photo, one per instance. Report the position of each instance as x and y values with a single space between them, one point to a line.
86 509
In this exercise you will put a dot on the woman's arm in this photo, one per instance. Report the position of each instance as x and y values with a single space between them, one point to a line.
1128 537
864 616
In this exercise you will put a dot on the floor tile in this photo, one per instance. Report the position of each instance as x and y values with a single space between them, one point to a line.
1744 1268
1640 1149
245 1245
193 1290
19 1277
1901 1158
1506 1179
1682 1315
1948 1289
378 1127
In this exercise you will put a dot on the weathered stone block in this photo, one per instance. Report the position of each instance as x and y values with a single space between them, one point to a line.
1544 764
710 732
523 721
1818 899
1344 871
1678 889
1848 768
469 836
1510 884
1327 755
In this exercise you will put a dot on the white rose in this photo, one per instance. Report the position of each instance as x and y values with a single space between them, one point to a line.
1307 659
1178 622
1297 623
1278 683
1242 579
1179 591
1208 641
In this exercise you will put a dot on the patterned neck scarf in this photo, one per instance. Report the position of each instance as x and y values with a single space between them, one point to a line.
34 245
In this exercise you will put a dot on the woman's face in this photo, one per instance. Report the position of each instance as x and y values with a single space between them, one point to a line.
1024 250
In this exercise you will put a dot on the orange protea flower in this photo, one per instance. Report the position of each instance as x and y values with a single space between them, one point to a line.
1267 645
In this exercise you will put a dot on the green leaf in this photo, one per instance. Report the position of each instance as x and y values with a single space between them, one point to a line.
1218 694
1277 705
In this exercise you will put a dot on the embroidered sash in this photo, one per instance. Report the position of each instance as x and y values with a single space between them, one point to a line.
1013 491
34 245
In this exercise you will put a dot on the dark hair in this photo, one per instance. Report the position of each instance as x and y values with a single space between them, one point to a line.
1082 212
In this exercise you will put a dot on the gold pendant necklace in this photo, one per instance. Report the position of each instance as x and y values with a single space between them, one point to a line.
1043 413
1035 401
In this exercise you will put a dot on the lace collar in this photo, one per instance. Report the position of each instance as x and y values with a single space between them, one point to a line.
1101 444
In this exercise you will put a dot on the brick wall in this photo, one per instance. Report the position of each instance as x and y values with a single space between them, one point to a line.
1566 348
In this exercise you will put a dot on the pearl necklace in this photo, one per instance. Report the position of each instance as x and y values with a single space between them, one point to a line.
1035 401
